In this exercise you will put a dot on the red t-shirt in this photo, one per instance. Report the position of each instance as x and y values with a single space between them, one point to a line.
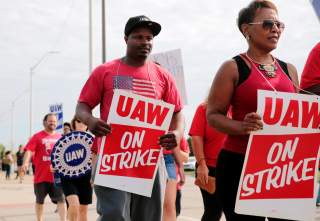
212 139
149 80
311 72
41 145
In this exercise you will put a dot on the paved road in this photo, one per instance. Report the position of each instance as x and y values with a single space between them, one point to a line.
17 202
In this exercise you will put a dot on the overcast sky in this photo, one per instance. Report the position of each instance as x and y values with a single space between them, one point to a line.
205 31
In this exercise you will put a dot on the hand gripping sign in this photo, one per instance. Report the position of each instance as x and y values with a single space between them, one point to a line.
129 155
71 155
279 173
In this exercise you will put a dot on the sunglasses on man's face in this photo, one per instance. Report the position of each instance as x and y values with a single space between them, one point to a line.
269 24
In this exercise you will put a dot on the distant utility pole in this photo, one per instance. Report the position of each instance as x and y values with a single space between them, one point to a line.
32 69
90 36
13 104
103 32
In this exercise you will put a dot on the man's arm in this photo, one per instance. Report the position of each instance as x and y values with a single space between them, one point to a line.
97 126
26 160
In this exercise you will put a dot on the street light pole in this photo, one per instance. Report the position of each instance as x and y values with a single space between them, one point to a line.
103 15
13 105
30 104
90 36
12 124
31 75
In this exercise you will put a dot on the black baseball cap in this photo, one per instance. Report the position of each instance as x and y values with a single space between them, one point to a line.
142 21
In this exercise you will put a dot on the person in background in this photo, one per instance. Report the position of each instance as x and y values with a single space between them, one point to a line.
206 145
66 128
41 145
78 191
235 87
7 162
184 151
173 159
19 156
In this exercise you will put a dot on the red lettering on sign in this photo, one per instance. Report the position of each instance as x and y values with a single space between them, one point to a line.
139 111
292 114
310 114
267 118
156 114
142 111
122 110
296 114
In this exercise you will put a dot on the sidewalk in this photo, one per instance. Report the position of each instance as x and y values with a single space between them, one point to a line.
17 202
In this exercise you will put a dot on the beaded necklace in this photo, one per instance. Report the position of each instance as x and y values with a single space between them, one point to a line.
269 70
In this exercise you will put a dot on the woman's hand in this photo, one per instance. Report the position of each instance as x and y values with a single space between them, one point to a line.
251 122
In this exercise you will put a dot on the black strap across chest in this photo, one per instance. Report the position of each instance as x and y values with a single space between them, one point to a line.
244 70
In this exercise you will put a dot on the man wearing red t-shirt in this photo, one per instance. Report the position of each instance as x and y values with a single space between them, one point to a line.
41 145
135 73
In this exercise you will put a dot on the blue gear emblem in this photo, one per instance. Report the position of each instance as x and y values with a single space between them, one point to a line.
71 155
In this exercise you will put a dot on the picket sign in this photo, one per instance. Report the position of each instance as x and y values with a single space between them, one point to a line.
129 155
172 61
58 110
71 155
279 173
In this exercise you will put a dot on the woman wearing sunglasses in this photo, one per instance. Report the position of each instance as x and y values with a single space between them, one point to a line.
78 191
235 85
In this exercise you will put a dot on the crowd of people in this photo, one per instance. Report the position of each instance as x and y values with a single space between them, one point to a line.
220 128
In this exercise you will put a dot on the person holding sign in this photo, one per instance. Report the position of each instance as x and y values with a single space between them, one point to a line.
41 145
206 144
78 191
136 74
235 86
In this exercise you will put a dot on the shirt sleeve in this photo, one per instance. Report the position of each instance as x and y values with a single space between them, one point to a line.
92 91
31 145
198 124
311 71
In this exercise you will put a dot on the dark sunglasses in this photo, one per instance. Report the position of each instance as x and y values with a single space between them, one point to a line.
269 24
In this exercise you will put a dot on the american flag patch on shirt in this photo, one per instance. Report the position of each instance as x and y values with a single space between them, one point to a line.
137 86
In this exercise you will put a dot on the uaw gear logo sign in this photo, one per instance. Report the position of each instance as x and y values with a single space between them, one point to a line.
71 155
